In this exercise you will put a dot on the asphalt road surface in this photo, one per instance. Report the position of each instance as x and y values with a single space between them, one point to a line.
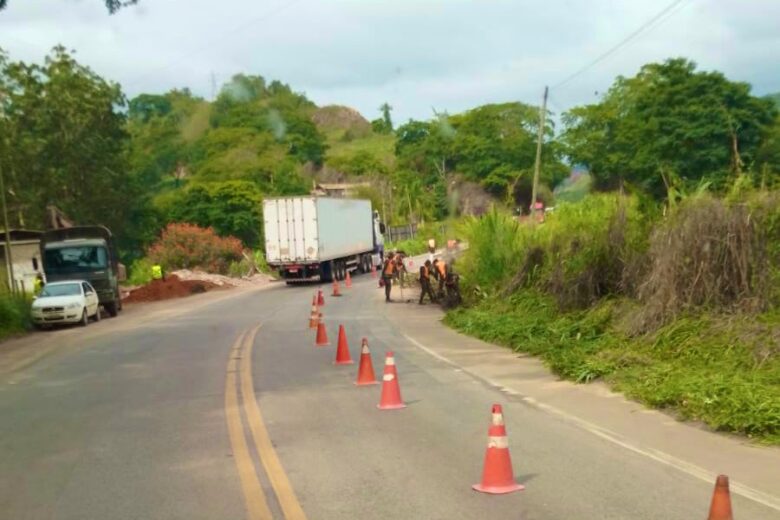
220 407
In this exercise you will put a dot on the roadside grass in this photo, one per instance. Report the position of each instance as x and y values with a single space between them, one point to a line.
722 370
14 314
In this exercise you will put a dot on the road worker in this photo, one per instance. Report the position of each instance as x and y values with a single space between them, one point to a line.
425 282
389 270
38 284
440 272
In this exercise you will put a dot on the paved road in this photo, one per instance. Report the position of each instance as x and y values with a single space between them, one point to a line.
173 414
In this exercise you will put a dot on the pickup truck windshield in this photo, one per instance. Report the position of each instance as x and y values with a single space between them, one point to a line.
75 259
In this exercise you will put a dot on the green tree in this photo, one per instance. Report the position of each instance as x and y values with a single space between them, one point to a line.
232 208
669 121
64 142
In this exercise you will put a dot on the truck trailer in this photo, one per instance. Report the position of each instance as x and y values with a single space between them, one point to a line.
321 238
85 253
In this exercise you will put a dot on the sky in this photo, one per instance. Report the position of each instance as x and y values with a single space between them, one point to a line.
417 55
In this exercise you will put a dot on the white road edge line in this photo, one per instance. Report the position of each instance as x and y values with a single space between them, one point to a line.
700 473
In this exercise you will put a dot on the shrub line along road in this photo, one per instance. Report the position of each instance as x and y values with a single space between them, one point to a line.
138 418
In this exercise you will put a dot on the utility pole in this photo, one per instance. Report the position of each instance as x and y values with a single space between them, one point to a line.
9 265
538 164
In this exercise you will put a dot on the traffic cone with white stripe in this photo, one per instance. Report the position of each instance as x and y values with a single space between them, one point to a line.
497 475
366 370
336 291
322 335
720 507
320 298
314 317
342 349
348 281
391 392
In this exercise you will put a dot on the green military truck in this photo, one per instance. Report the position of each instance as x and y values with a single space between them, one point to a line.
85 253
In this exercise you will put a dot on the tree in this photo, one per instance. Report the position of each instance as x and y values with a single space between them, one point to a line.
383 125
112 5
232 208
64 143
668 121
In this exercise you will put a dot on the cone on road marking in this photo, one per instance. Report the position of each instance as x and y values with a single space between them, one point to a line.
720 507
336 288
322 335
348 281
320 298
342 349
366 370
391 392
497 475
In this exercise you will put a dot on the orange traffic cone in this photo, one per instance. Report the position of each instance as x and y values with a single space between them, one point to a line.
342 350
336 288
322 335
720 507
314 318
391 392
320 298
373 269
348 281
314 300
497 476
366 371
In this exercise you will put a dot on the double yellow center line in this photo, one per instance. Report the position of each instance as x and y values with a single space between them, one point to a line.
239 368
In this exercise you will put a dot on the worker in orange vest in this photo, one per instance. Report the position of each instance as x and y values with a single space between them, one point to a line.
389 269
425 282
440 272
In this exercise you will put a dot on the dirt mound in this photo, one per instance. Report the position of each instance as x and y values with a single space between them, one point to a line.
336 117
171 287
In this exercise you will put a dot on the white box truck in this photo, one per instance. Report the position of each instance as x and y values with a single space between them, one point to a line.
320 238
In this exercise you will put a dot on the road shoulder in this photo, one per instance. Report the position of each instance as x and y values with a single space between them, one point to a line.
754 470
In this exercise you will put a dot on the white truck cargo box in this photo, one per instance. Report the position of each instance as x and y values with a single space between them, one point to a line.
316 229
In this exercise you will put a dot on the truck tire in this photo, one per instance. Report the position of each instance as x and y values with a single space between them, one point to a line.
111 308
326 271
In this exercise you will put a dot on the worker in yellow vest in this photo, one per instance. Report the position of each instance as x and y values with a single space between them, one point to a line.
38 284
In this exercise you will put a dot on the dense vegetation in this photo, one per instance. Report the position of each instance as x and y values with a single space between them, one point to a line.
678 310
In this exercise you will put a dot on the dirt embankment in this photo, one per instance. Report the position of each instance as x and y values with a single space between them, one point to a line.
171 287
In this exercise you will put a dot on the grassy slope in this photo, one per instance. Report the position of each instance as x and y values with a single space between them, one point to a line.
14 314
379 145
719 370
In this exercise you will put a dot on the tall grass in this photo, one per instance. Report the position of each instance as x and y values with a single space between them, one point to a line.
14 314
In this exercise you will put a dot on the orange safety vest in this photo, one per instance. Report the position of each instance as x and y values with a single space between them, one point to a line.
442 268
389 268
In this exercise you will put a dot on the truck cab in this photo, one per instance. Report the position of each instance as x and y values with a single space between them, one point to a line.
84 253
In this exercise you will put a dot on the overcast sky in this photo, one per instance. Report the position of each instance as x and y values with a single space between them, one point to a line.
415 54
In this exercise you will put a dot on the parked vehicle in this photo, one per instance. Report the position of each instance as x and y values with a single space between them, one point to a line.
320 238
73 301
85 253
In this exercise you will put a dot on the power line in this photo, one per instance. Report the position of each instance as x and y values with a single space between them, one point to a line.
660 17
211 43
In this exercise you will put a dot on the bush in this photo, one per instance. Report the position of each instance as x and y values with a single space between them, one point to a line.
140 272
582 252
14 314
185 246
713 254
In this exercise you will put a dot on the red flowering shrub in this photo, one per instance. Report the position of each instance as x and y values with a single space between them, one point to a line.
186 246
